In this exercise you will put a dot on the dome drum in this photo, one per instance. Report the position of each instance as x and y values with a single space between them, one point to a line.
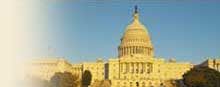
135 50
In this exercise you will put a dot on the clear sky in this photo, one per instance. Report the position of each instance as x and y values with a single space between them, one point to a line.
85 31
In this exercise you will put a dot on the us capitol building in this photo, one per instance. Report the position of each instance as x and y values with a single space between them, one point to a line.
136 65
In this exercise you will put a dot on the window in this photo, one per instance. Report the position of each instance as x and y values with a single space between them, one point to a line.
114 77
137 84
143 84
118 83
124 82
136 70
130 84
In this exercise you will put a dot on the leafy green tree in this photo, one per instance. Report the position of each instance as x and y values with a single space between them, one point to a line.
86 78
65 79
202 77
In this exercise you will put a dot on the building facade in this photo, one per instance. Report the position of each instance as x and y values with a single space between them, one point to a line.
212 63
136 65
45 68
96 69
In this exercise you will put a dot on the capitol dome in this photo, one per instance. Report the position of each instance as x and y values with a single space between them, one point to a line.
136 40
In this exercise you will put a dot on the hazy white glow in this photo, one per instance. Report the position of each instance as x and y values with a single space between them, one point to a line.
16 38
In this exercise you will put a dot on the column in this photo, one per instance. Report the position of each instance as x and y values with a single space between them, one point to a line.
141 65
135 49
138 49
151 68
121 68
136 70
132 67
129 50
124 67
141 50
132 49
126 51
148 68
145 50
121 51
126 64
144 67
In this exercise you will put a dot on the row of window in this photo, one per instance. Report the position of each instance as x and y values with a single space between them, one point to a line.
135 84
137 69
95 68
134 50
136 40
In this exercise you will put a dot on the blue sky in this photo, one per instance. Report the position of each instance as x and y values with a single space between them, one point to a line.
84 31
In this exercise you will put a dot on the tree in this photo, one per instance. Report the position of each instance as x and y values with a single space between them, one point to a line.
65 79
202 77
86 78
